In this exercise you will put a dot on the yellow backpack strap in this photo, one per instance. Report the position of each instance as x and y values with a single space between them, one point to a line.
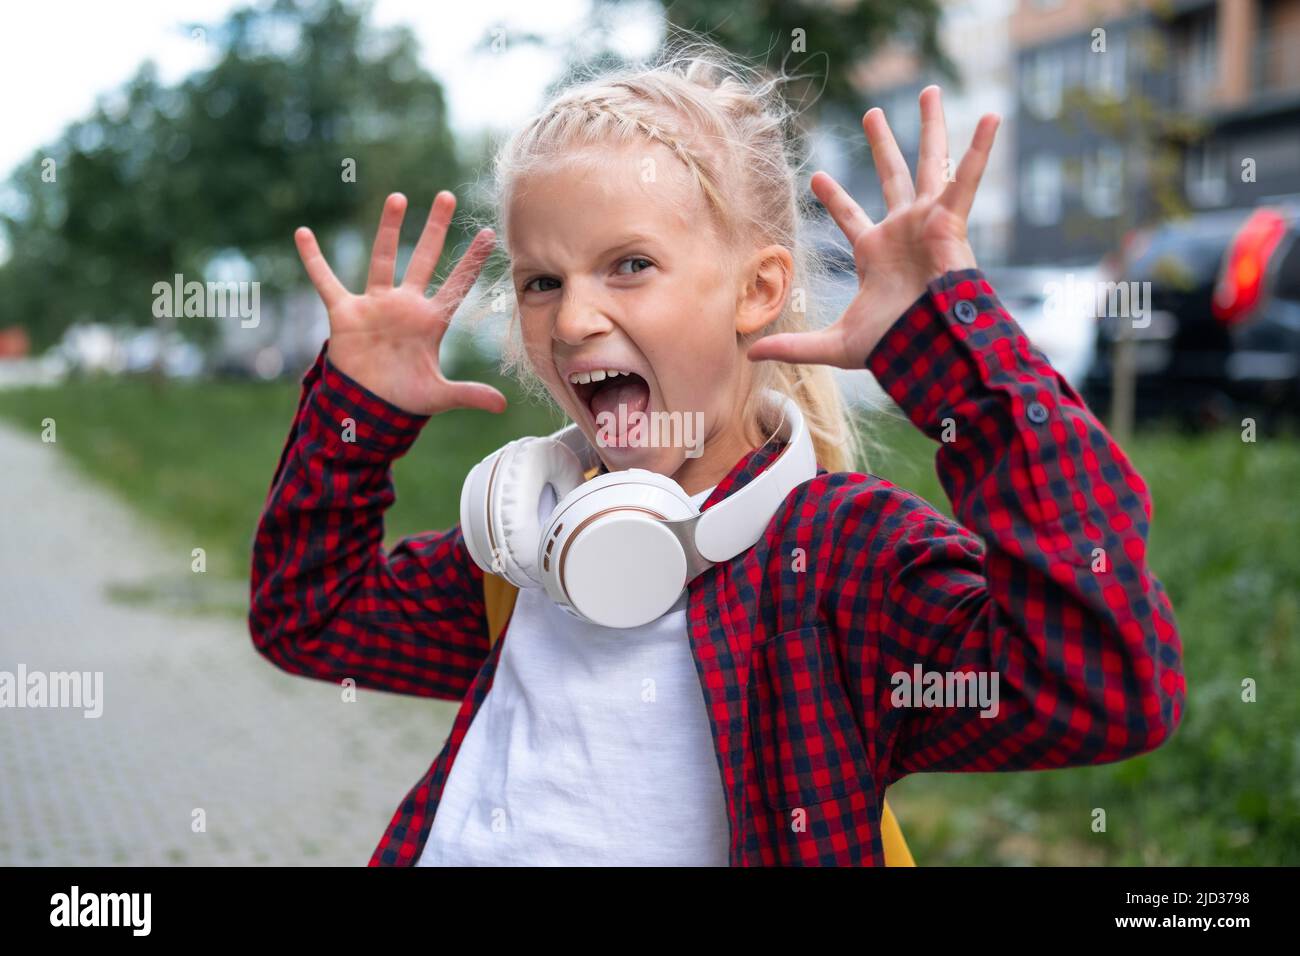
891 834
499 597
499 594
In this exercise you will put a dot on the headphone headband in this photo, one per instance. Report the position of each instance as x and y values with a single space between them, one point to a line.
736 522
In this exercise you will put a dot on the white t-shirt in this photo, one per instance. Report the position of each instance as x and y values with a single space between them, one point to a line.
593 747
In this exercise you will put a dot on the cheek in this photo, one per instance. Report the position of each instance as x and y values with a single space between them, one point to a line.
710 329
543 369
537 346
697 356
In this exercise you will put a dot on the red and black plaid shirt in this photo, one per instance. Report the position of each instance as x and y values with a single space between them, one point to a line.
797 639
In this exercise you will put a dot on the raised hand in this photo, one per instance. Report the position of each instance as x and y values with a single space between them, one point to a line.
387 338
922 236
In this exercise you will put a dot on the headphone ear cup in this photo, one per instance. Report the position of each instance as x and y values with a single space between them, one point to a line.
473 512
613 560
517 502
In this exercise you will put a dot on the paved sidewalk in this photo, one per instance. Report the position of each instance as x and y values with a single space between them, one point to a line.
193 717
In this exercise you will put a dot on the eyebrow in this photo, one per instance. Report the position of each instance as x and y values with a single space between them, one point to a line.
632 239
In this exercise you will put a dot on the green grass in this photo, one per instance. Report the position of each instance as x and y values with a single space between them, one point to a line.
195 460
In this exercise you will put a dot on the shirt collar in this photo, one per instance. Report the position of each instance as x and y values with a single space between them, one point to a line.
750 466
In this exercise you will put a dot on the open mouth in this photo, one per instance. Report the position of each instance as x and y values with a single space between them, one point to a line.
612 396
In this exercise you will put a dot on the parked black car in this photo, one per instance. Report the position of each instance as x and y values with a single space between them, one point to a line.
1221 334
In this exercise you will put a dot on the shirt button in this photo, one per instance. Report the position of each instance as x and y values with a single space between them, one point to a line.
965 311
1037 412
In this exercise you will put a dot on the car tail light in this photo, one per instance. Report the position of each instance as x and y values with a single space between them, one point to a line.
1242 276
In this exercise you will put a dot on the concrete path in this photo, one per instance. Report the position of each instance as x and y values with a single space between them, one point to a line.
193 718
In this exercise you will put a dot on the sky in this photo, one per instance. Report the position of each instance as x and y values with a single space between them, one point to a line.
55 62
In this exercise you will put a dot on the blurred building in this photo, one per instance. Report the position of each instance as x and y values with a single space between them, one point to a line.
975 35
1115 113
1132 111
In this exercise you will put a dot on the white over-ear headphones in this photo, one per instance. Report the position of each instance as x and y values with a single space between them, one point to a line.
620 549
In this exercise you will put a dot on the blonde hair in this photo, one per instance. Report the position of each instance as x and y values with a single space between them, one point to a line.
736 136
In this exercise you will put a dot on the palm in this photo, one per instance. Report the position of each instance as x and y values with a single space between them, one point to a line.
387 338
885 258
923 235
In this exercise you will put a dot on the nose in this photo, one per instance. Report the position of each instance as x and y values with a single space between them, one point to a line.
579 317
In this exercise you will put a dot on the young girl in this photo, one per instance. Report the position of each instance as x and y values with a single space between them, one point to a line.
652 224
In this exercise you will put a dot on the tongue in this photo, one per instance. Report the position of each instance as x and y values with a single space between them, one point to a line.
632 393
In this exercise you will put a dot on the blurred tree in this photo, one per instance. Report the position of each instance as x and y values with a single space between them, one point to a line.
308 116
822 44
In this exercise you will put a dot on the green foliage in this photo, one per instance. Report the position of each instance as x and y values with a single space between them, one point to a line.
220 168
227 163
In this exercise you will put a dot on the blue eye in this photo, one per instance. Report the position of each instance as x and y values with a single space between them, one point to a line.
633 259
529 283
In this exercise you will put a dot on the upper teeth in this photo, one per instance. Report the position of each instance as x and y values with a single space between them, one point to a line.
598 375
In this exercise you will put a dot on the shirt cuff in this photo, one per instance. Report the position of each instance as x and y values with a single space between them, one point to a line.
350 420
955 340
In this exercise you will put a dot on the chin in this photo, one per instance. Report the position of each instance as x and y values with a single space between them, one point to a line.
665 461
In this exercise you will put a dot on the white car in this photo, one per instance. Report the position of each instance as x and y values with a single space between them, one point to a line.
1056 306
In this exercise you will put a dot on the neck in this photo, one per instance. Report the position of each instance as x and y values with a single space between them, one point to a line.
721 454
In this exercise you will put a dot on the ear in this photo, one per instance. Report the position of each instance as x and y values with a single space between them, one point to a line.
767 277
